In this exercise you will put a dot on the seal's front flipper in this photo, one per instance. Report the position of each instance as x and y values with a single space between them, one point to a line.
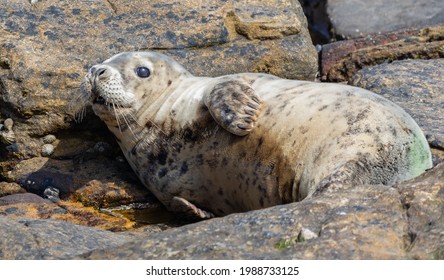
181 205
234 105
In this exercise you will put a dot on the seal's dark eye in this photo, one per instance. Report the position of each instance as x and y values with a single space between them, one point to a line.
143 72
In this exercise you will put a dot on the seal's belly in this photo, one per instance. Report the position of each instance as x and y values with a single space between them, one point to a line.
215 170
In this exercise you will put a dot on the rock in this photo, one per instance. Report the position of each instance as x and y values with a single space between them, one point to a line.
31 206
306 234
100 182
415 85
25 198
47 150
7 135
48 239
361 222
10 188
358 18
341 60
52 194
47 47
110 194
49 139
424 200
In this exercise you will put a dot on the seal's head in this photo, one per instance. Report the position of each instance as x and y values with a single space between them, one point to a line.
127 80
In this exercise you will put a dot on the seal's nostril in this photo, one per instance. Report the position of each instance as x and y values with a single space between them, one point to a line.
100 71
93 70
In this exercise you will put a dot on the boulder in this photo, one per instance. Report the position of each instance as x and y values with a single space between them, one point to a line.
47 239
423 198
359 18
340 60
10 188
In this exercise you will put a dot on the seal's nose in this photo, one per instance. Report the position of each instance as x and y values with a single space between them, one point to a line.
98 70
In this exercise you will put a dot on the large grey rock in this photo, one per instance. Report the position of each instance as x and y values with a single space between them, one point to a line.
48 239
423 198
361 222
358 18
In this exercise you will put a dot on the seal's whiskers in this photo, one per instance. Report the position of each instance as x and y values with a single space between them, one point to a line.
117 115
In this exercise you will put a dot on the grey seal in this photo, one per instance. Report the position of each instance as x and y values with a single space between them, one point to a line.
213 146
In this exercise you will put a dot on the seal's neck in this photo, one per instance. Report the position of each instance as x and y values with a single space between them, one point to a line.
177 106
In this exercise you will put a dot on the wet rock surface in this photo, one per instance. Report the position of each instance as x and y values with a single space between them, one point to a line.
32 206
358 18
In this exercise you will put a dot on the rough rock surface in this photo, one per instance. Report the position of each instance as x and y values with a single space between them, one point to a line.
362 222
358 18
424 199
10 188
340 60
415 85
47 239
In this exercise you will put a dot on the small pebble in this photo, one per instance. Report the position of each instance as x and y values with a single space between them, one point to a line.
120 159
307 234
47 150
49 139
52 194
102 147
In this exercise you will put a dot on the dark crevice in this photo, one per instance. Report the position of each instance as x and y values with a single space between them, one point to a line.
319 23
113 7
410 236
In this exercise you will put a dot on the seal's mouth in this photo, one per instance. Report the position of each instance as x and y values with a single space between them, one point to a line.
99 100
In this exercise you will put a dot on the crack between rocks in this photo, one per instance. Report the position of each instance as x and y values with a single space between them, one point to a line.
410 234
113 7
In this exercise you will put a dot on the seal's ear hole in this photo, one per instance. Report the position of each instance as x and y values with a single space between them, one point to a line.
143 72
